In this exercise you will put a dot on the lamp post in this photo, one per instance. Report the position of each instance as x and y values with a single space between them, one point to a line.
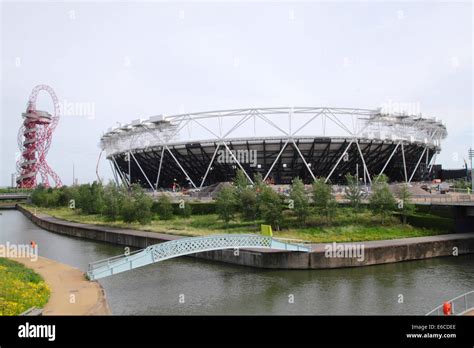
471 155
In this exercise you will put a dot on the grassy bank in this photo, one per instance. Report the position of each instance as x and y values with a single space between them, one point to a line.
20 288
344 227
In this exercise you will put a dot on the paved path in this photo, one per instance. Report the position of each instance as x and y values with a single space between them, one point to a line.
65 281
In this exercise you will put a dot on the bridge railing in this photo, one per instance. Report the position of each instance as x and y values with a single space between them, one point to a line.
186 246
104 262
459 305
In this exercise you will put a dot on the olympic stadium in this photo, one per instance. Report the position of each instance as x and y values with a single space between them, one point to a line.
199 149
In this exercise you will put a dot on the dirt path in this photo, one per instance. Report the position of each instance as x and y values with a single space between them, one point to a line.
71 293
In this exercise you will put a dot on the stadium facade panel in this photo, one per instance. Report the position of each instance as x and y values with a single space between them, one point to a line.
199 149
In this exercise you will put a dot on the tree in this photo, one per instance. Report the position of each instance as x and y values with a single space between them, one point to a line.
404 205
113 197
226 204
38 197
300 200
90 198
165 208
353 192
245 196
258 180
127 209
381 200
240 181
258 188
64 196
270 207
136 206
248 203
143 204
324 201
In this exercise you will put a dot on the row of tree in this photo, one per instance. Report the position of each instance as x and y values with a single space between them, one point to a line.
111 201
261 201
251 202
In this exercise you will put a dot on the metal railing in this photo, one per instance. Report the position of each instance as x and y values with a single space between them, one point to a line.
460 198
459 305
33 311
185 246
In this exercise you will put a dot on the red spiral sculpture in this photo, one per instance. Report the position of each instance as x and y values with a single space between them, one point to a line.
34 141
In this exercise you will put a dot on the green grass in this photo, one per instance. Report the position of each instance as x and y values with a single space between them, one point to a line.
14 190
20 288
346 226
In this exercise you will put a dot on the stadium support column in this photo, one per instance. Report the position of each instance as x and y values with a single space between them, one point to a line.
140 167
339 160
181 167
425 170
304 161
389 159
366 171
113 173
122 176
238 163
404 163
159 168
433 161
129 168
417 164
209 167
276 159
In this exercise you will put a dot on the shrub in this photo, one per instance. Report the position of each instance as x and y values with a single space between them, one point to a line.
113 198
90 198
432 222
247 200
51 198
270 207
226 203
163 207
199 208
136 206
127 210
353 192
324 201
258 187
143 204
240 181
381 200
65 195
38 197
185 209
300 200
405 206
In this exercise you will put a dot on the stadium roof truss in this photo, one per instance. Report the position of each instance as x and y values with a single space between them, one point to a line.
339 135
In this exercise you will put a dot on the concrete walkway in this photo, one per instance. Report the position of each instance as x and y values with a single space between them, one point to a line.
71 293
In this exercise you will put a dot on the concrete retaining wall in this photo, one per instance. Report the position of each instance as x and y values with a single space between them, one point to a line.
375 252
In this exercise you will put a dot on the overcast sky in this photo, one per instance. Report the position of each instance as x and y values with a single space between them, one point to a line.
121 61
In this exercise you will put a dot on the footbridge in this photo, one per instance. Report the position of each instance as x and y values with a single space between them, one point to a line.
185 246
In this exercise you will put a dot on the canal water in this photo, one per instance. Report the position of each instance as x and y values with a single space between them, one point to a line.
190 286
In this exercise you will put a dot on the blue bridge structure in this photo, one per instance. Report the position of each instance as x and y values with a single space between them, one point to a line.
186 246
